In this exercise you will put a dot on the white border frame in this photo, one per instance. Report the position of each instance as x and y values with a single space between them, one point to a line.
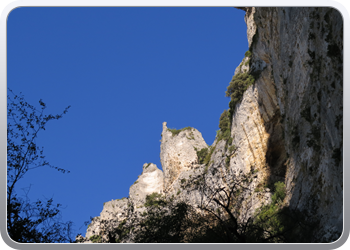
168 3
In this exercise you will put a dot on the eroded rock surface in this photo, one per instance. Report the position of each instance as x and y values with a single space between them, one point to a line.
178 152
150 181
300 96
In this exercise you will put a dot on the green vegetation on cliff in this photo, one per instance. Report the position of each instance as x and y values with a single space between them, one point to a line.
166 220
238 85
175 131
225 126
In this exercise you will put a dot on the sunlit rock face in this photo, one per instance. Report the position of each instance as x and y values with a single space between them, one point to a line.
300 100
178 152
117 211
112 214
150 181
288 127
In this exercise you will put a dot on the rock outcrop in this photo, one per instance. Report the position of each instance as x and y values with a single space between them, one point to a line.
150 181
114 212
178 152
287 127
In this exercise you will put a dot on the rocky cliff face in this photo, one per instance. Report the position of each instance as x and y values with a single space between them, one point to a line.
299 55
287 127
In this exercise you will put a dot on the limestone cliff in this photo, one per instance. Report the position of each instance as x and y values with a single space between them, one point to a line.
287 127
178 152
298 53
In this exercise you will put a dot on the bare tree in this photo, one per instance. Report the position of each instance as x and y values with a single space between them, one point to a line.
30 221
223 202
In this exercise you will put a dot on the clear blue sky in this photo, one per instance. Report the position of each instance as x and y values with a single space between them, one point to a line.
124 71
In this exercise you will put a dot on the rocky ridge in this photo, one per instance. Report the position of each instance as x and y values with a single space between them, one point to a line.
287 127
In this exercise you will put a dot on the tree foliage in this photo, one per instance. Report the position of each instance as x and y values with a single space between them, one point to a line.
225 126
30 221
217 218
238 85
202 154
163 221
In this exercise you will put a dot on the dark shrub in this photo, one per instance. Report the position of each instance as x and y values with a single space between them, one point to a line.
238 85
201 154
